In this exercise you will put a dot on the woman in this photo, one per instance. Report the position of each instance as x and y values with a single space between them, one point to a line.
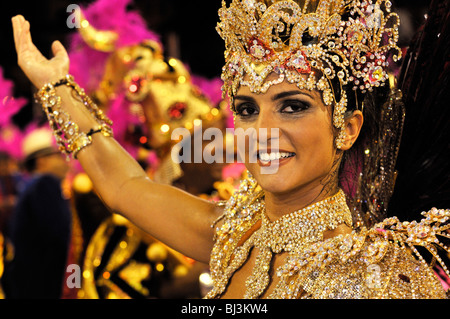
303 69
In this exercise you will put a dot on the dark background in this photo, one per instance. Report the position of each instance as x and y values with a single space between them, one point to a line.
192 22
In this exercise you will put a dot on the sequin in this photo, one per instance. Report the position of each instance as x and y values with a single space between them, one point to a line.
367 263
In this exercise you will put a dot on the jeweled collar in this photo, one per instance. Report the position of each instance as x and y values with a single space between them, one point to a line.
288 234
304 225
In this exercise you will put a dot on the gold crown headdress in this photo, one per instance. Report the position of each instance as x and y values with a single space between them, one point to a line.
310 43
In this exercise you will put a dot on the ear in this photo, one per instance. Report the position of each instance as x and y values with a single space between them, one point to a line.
353 126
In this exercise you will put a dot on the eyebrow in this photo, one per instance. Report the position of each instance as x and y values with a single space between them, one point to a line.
275 97
244 98
289 93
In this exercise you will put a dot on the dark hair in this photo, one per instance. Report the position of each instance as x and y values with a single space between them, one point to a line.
367 169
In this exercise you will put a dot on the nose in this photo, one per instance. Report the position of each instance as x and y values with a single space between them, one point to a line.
267 129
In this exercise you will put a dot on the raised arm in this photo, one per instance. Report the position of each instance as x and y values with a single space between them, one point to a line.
175 217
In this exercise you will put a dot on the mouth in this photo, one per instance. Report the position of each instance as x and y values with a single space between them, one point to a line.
269 158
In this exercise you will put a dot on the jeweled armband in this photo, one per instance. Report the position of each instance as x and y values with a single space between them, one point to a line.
68 136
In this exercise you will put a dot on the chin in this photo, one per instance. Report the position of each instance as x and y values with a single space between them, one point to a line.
286 180
278 181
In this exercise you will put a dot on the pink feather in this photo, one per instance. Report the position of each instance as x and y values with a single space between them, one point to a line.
9 105
10 135
86 64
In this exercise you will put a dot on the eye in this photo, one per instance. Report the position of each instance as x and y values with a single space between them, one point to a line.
246 109
294 106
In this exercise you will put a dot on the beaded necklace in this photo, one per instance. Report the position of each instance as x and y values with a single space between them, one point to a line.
287 234
368 263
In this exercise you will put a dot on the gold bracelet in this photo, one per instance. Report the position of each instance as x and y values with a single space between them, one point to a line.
68 137
69 81
84 139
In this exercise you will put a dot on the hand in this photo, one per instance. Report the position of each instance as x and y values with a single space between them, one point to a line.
36 67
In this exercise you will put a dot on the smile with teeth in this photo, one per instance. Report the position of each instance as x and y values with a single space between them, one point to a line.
267 157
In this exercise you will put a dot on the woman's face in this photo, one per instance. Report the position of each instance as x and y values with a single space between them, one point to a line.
303 133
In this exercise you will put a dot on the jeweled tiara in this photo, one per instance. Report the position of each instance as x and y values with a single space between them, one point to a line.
309 43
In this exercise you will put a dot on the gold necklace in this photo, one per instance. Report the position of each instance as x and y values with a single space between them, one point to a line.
344 266
287 234
307 224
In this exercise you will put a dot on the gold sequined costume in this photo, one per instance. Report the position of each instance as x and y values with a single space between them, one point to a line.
368 263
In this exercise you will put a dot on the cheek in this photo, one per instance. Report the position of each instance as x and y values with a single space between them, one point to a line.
240 124
314 138
245 138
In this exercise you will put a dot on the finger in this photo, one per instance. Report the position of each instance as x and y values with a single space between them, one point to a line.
61 55
59 51
26 42
20 18
16 23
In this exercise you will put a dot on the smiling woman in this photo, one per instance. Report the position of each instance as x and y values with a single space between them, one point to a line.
314 76
305 136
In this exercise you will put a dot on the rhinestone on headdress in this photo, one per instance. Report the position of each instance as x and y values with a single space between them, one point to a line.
310 43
